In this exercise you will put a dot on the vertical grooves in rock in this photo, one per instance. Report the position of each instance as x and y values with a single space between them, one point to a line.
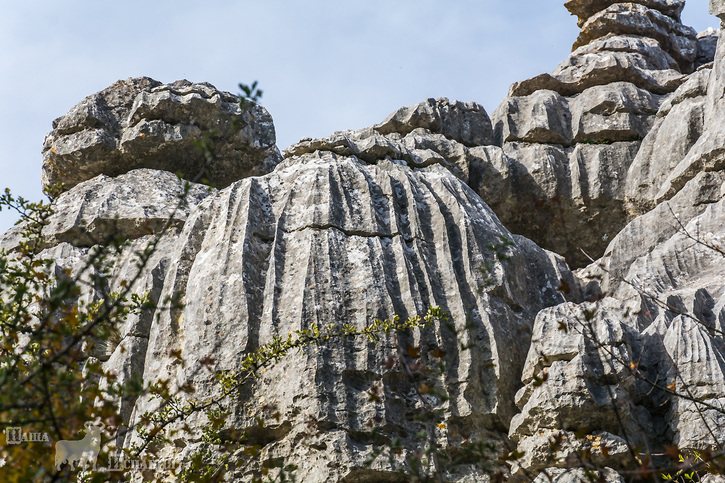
165 335
387 220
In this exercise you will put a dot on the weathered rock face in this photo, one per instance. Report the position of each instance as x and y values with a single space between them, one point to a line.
141 123
570 195
706 46
572 382
662 280
542 117
464 122
717 8
636 19
660 327
140 202
328 236
707 153
618 152
369 241
616 87
678 125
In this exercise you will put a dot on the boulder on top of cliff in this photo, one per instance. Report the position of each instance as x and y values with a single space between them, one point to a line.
465 122
587 8
649 50
630 18
542 117
599 70
141 123
436 131
626 42
418 148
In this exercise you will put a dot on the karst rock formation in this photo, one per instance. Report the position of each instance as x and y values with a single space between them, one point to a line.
603 182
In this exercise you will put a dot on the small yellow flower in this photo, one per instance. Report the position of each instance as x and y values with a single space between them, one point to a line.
442 425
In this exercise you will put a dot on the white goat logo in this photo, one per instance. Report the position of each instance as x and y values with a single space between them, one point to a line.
82 451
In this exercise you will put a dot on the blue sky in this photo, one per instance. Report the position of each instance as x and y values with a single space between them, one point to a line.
323 65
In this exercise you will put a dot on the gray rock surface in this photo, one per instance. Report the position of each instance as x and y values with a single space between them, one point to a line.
648 231
615 112
13 238
465 122
580 72
707 153
679 285
542 117
140 202
564 198
677 127
141 123
645 49
665 278
573 383
698 364
587 8
612 58
717 8
286 241
576 194
618 153
706 46
623 83
632 18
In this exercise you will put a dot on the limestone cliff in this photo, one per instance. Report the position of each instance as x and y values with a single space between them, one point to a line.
617 155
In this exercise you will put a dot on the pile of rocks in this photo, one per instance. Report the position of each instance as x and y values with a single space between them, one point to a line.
572 135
